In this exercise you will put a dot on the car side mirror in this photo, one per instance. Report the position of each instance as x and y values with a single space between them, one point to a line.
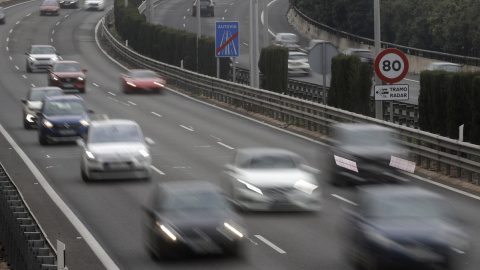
24 101
80 142
149 141
90 111
26 53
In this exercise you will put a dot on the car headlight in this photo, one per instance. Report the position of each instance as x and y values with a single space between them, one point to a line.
167 231
89 155
54 77
250 186
159 84
47 123
80 78
85 122
54 58
32 58
234 228
382 240
144 152
131 84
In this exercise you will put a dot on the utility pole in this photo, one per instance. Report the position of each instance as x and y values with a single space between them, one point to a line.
254 75
376 23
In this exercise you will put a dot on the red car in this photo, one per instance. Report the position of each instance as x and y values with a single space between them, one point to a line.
143 80
49 7
67 75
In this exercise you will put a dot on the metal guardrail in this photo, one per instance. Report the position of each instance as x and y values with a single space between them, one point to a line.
25 243
466 60
452 156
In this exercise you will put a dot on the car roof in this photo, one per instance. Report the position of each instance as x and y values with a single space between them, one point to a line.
66 62
105 122
50 46
444 64
44 88
189 185
393 191
263 150
360 127
296 53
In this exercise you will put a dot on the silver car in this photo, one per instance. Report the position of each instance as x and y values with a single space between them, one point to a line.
298 64
289 40
115 149
94 5
271 179
41 57
33 103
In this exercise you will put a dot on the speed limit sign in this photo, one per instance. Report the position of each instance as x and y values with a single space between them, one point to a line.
391 65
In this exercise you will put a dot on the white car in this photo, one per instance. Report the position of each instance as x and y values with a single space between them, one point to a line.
33 103
288 40
445 66
271 179
298 64
94 5
41 57
115 149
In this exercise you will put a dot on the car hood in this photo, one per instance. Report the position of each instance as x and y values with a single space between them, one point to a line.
116 149
65 118
69 74
416 229
276 177
36 105
42 55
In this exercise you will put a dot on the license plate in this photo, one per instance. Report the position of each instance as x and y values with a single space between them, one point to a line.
68 85
116 166
67 132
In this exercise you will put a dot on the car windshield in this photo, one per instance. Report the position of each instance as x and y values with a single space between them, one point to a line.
193 200
66 67
407 207
297 57
50 4
268 162
114 133
42 50
40 94
363 54
70 107
448 68
288 37
143 74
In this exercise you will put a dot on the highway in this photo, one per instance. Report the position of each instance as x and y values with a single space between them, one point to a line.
193 141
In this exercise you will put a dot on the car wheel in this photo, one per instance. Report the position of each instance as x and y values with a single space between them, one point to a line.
29 69
42 140
82 90
26 124
84 176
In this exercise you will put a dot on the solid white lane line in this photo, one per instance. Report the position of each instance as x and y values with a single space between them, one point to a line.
157 170
113 94
224 145
187 128
24 76
154 113
95 84
343 199
279 250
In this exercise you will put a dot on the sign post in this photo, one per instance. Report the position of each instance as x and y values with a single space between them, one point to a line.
391 66
226 42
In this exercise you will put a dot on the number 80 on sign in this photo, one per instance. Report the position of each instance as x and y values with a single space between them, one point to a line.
391 65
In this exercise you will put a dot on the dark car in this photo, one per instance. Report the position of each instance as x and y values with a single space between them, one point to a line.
191 217
362 153
365 55
2 15
68 3
33 103
67 75
62 119
206 7
403 227
50 7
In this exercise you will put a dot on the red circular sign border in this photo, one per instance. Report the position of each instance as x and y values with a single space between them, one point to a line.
377 65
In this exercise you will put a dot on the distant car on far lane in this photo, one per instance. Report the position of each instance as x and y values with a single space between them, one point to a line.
445 66
206 7
288 40
298 63
2 15
50 7
68 3
142 81
33 103
94 5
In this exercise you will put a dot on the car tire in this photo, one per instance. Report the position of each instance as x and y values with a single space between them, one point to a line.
84 176
26 124
42 140
29 70
82 90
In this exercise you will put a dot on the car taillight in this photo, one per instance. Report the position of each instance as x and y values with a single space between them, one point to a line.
210 5
194 5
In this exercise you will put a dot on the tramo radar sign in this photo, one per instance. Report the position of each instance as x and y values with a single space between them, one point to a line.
391 65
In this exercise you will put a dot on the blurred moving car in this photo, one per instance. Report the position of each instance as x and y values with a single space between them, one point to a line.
62 119
41 57
404 227
206 7
68 3
362 153
445 66
94 5
298 64
50 7
365 55
289 40
33 103
191 217
271 179
142 80
67 75
2 15
115 149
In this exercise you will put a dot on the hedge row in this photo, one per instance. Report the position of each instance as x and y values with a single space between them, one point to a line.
448 100
273 65
167 45
350 85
